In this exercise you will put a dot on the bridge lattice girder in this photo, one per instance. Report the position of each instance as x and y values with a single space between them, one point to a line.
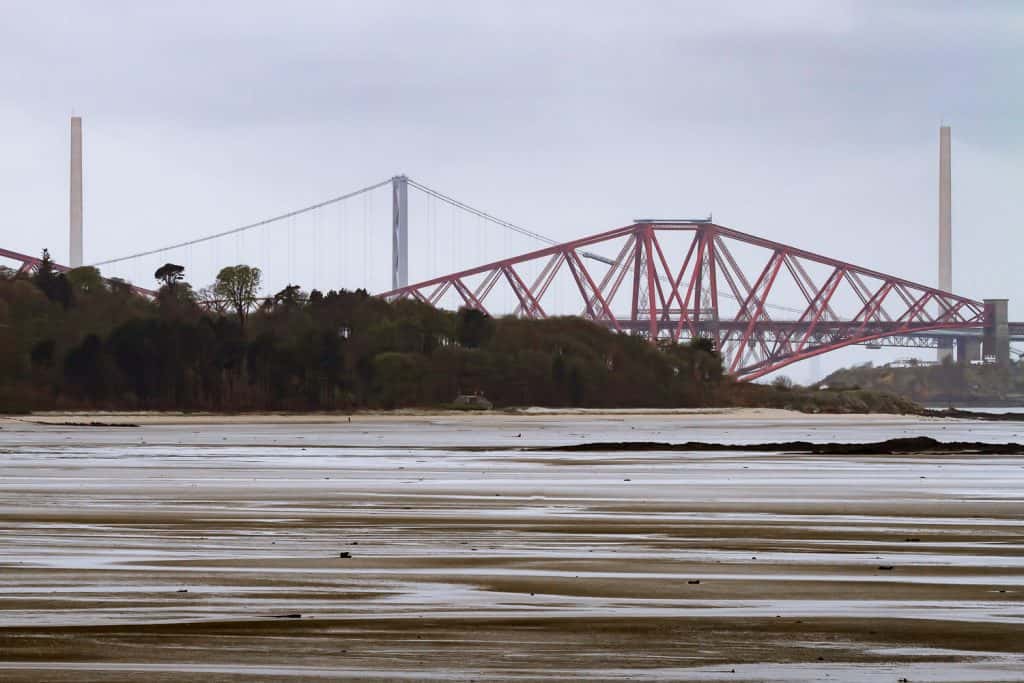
680 280
30 264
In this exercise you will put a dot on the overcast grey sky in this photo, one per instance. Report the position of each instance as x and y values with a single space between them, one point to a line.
809 122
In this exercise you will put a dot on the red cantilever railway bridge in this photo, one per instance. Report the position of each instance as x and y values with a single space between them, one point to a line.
680 280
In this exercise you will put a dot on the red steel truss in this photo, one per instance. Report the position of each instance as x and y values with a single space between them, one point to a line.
30 264
679 280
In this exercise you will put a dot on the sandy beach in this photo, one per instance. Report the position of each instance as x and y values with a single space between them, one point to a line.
509 416
431 546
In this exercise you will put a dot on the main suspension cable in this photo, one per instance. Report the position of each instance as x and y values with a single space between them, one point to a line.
482 214
290 214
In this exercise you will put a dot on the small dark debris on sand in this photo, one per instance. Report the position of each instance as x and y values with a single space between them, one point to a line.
344 555
94 423
288 616
916 444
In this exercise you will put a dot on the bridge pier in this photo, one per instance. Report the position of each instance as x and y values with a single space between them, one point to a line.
968 350
945 349
997 331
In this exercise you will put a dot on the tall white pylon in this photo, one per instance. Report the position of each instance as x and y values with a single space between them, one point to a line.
75 213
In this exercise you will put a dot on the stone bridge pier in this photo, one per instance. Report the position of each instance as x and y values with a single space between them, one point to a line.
996 340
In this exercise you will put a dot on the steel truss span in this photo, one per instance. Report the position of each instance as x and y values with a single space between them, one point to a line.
680 280
30 264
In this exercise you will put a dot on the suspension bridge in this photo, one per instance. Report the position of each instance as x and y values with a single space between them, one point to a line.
764 304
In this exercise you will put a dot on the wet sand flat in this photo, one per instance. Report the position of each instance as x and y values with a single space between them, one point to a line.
197 549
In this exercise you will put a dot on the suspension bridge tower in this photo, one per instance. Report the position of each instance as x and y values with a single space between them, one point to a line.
399 231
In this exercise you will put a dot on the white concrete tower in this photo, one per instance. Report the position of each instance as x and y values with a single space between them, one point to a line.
945 226
76 193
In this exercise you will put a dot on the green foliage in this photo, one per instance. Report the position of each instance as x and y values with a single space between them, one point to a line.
42 353
51 283
397 378
473 328
238 286
86 280
705 344
291 295
170 274
110 348
13 402
84 369
177 300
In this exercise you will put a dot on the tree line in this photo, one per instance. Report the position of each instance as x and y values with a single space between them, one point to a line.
78 341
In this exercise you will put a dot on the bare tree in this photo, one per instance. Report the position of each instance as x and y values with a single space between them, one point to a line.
211 301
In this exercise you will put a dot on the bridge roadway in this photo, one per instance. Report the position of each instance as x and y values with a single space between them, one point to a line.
795 330
782 338
1016 333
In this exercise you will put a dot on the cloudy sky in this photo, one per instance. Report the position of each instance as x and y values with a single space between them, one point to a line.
812 122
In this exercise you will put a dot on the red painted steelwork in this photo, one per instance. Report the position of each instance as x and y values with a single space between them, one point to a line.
688 302
30 264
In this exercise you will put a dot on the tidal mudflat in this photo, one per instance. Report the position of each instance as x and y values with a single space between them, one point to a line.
436 547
